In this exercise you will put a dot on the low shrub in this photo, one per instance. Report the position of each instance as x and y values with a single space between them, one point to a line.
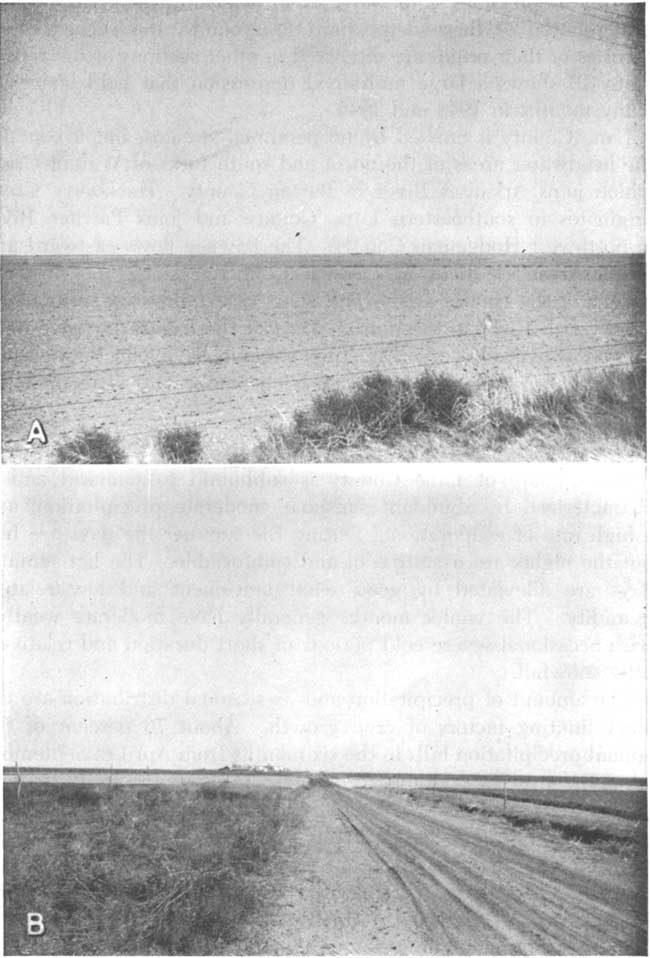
438 415
333 407
385 405
379 407
443 398
180 445
91 447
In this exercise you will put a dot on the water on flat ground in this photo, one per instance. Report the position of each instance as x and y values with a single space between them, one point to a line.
136 344
82 777
495 783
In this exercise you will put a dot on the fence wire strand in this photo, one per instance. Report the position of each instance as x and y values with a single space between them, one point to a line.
310 350
321 377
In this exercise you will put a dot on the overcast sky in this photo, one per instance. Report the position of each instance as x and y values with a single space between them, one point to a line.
462 619
383 128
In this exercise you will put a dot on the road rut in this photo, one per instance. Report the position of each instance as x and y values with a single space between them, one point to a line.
481 890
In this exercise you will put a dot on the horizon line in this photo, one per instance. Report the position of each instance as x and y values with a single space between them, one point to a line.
523 253
225 770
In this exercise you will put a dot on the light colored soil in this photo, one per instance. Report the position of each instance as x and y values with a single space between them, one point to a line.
138 346
334 895
375 873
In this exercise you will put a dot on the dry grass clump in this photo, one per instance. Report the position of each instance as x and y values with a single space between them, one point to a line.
91 447
606 403
180 445
443 398
136 869
440 417
376 408
379 409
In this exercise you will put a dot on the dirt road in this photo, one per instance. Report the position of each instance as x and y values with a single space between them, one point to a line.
373 873
335 896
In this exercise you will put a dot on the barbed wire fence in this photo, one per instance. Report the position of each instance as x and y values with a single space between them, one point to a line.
484 360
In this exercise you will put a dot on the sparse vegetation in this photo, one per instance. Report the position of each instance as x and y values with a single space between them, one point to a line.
619 802
598 414
437 417
91 447
571 831
180 445
137 869
576 816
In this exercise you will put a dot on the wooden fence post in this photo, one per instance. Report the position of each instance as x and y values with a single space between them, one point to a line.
487 325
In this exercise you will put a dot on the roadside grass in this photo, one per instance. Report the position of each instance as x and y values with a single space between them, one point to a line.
138 869
625 838
180 445
592 415
621 803
632 846
91 446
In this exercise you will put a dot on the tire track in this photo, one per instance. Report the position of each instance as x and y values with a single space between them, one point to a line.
399 878
489 898
587 885
436 894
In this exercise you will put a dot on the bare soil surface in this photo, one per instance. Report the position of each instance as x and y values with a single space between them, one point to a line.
335 896
228 345
375 873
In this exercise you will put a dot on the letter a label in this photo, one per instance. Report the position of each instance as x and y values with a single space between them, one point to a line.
37 432
35 923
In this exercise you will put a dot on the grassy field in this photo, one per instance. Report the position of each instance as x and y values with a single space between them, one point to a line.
138 869
624 804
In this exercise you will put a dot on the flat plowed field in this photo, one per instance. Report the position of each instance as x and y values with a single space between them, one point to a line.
227 344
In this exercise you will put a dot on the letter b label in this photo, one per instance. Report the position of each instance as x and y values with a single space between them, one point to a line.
35 923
